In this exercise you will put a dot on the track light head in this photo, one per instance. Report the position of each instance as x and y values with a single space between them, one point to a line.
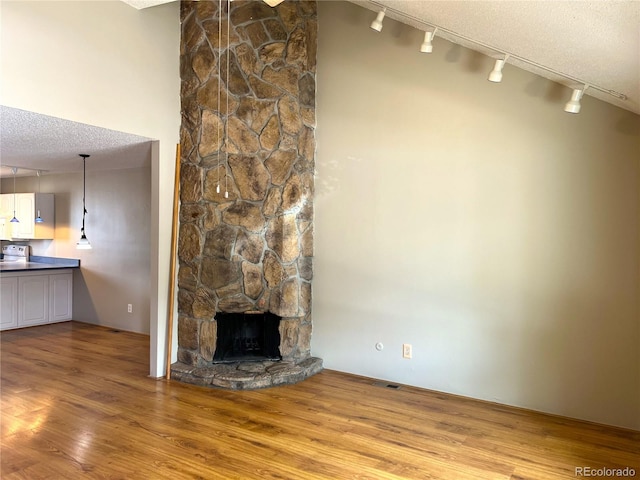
377 23
573 105
427 46
496 74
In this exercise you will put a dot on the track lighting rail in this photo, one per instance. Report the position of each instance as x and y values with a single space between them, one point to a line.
571 82
38 171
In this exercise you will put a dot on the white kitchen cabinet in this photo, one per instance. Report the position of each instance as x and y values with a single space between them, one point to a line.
33 300
27 206
6 214
4 229
8 302
6 205
60 297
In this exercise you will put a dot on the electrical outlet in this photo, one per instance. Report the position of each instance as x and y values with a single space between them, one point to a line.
406 350
129 308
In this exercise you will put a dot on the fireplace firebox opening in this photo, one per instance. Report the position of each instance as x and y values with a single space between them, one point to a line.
247 337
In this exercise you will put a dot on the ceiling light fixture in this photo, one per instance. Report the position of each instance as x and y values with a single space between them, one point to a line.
427 46
14 219
377 23
83 243
496 74
38 218
573 105
484 48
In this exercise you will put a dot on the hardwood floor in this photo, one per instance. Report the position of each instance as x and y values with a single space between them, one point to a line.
76 403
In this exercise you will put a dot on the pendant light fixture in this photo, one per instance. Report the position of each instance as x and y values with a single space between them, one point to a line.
38 217
83 243
14 219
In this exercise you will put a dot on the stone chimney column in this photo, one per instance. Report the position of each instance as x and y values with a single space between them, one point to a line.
250 249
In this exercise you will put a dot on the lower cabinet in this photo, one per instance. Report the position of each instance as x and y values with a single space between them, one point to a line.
8 302
36 299
33 300
60 297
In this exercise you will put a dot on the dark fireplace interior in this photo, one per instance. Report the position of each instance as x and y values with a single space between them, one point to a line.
247 337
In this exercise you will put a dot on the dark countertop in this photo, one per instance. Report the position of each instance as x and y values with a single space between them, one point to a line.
39 263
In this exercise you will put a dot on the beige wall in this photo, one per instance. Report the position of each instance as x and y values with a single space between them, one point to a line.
118 205
478 222
109 65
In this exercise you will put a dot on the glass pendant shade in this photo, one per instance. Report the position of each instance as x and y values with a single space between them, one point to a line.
39 218
83 243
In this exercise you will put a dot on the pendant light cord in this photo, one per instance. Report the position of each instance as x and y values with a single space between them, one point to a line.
38 217
219 88
84 190
14 219
14 192
226 150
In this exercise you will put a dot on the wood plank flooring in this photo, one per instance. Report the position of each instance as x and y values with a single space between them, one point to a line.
76 402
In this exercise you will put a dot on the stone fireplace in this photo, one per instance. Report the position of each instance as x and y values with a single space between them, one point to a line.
246 186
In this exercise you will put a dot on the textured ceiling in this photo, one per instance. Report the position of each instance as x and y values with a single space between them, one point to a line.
596 42
31 142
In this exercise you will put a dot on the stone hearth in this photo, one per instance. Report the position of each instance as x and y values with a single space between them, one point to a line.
248 375
251 248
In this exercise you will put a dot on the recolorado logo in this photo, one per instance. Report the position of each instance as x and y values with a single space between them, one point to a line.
605 472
